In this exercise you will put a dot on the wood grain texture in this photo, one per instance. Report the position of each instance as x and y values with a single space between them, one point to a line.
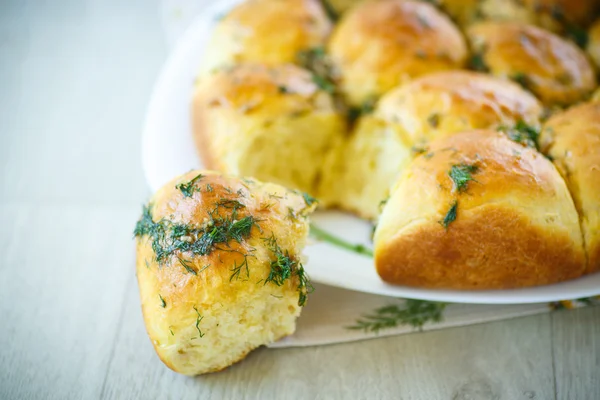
576 349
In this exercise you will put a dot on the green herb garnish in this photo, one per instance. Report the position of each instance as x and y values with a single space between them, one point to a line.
522 79
188 267
198 319
282 89
478 63
315 61
367 107
461 174
320 234
523 133
450 215
577 34
308 199
189 188
323 83
170 238
284 267
163 303
415 313
434 120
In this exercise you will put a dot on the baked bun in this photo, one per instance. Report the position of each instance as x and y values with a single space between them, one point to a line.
572 139
380 44
273 123
554 69
593 44
359 173
218 266
556 15
267 31
479 211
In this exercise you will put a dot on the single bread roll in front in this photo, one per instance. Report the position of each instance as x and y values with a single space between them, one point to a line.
358 174
266 31
380 44
274 123
572 139
219 268
554 69
479 211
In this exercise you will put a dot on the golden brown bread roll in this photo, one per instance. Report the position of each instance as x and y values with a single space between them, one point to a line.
479 211
593 44
554 69
380 44
358 174
565 16
572 139
273 123
266 31
219 270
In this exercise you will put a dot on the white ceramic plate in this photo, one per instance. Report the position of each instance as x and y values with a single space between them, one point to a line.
168 151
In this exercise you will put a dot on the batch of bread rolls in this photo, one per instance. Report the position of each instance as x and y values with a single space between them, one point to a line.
467 131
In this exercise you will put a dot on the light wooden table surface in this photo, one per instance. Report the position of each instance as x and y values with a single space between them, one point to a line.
75 77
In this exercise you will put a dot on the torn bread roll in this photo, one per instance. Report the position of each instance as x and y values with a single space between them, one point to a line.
219 268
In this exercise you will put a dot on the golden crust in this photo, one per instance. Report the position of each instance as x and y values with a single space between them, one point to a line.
554 15
572 139
380 44
200 315
515 224
593 45
448 102
358 174
271 122
554 69
246 34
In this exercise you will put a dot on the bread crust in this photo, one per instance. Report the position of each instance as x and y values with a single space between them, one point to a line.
515 225
554 69
200 315
572 139
266 31
378 45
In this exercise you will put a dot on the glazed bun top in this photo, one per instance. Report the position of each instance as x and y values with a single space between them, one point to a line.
555 15
267 31
380 44
554 69
444 103
479 211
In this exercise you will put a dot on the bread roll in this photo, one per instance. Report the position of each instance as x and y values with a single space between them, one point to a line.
218 266
273 123
359 173
380 44
554 69
593 44
266 31
572 139
479 211
563 16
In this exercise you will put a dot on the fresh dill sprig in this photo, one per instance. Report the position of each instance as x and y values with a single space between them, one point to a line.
522 133
189 188
315 60
450 215
367 107
199 318
329 10
284 267
477 63
163 303
320 234
433 120
308 199
461 174
170 238
415 313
